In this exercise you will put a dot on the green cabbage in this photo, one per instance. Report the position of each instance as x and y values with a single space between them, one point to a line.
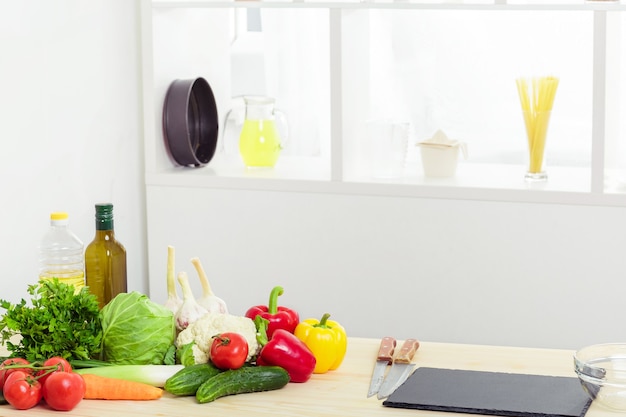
136 330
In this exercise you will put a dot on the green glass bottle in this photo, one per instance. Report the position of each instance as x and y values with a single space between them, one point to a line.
105 259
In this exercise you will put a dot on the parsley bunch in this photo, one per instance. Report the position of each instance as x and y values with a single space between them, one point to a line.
60 322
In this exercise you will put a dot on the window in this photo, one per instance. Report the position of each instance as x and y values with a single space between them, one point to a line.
451 66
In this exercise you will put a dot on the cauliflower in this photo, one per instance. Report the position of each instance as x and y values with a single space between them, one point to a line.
202 331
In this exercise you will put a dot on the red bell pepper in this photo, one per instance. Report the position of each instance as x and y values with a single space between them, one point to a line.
279 317
284 349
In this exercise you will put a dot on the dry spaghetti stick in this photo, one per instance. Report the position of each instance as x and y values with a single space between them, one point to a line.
522 88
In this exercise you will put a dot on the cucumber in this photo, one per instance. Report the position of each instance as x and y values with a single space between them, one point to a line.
242 380
187 380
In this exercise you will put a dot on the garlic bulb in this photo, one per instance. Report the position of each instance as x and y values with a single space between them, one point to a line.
189 310
173 300
210 301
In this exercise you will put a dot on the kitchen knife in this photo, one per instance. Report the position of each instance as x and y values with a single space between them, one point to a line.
385 355
400 369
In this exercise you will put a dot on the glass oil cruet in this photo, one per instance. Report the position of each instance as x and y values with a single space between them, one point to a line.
259 141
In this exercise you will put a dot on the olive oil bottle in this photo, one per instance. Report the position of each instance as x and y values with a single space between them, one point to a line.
105 259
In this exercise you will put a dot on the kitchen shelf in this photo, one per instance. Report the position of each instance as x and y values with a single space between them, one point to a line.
336 170
566 185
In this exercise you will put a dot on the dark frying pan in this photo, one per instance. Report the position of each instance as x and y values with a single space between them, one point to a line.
190 122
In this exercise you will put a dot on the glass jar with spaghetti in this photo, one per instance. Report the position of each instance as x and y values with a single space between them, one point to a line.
536 97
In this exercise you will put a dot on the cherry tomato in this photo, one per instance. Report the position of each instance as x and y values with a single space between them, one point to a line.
61 364
64 390
229 350
22 390
4 373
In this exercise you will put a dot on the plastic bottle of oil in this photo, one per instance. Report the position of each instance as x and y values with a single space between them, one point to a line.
105 259
61 253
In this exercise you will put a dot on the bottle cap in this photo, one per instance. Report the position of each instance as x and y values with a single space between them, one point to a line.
59 218
104 216
104 211
58 215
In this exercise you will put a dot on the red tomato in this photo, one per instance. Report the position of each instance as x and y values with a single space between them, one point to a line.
4 373
64 390
61 364
229 350
22 390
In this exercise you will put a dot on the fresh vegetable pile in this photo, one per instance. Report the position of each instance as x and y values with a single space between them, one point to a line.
55 382
63 348
230 362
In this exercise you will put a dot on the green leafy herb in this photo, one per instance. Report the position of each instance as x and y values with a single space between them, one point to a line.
60 322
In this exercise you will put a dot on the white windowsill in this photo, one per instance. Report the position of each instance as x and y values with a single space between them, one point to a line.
491 182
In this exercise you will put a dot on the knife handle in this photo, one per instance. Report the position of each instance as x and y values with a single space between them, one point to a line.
387 346
405 355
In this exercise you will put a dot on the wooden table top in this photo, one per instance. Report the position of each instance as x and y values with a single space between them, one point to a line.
342 392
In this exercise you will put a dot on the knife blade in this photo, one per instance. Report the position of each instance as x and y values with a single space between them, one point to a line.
384 357
400 369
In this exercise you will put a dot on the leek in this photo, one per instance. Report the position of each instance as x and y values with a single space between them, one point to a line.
88 363
154 375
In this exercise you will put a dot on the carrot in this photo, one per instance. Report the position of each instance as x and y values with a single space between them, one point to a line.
105 388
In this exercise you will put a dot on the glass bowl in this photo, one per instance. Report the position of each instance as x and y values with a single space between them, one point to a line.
601 370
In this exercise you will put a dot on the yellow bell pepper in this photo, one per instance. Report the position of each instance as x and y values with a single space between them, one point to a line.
326 339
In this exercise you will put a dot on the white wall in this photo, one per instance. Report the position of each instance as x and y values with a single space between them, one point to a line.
71 134
439 270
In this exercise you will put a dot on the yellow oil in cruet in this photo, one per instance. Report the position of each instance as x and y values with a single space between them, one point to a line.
259 140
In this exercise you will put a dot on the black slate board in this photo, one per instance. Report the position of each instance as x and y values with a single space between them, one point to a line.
491 393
